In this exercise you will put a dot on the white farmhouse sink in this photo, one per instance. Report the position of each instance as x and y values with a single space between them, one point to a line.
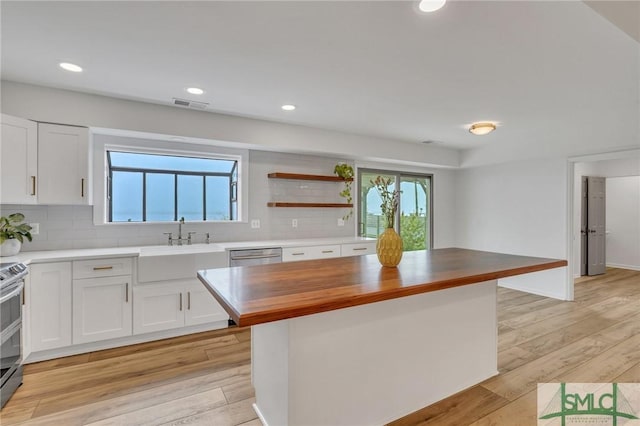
177 250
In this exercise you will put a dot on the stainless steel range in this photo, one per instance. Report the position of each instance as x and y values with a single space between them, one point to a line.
11 290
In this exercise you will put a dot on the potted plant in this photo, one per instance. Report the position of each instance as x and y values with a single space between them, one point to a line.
345 171
13 231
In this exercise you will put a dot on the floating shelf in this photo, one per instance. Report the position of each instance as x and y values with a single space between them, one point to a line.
299 176
282 204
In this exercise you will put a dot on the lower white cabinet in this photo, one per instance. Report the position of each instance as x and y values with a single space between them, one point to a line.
101 308
292 254
358 249
167 305
49 300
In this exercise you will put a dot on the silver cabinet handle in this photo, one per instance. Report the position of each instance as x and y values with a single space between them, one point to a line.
327 251
33 185
181 301
297 254
189 300
126 292
82 187
359 248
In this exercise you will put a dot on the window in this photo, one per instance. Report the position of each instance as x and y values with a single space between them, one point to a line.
414 221
145 187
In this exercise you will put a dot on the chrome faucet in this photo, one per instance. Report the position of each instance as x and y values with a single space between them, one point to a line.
180 223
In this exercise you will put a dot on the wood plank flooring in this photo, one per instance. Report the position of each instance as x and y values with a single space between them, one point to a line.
204 379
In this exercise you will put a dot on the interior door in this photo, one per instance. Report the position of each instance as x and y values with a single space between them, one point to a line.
583 227
596 226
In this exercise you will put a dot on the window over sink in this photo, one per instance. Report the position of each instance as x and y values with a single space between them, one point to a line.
156 188
140 180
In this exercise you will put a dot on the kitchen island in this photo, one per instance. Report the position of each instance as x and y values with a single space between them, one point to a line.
348 342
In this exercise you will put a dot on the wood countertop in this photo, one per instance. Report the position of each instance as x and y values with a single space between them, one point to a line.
264 293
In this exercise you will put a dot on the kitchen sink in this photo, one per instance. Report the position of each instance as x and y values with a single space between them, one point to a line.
178 250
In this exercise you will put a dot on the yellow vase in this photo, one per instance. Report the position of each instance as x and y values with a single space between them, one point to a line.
389 248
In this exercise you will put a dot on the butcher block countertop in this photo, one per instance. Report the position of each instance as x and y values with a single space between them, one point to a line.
264 293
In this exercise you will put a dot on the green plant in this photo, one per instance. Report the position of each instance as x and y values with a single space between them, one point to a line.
345 171
12 227
390 199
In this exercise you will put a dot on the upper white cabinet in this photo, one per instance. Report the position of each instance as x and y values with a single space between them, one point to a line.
19 160
63 166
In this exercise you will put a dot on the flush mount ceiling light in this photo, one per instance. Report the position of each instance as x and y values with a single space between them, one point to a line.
431 5
195 90
288 107
70 67
481 129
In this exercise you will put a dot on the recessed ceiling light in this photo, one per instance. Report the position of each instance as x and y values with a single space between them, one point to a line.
70 67
195 90
288 107
481 129
431 5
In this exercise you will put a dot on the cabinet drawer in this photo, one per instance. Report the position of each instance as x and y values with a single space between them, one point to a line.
101 267
292 254
359 249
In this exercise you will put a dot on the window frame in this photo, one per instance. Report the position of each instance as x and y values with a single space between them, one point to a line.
104 142
176 174
397 175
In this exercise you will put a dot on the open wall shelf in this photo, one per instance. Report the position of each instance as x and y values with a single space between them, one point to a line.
286 204
299 176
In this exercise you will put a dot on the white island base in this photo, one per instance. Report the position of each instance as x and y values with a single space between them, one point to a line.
374 363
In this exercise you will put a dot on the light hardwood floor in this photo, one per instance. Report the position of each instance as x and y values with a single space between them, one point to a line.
204 379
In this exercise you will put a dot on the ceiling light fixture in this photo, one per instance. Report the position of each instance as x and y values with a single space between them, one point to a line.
431 5
288 107
195 90
70 67
481 129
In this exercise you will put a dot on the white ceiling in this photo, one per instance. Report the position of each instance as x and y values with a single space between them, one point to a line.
547 71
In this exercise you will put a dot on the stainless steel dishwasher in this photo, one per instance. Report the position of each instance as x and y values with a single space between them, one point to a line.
255 256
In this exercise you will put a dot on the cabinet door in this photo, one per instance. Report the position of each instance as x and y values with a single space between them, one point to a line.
50 305
201 307
63 166
359 249
101 308
292 254
157 307
18 160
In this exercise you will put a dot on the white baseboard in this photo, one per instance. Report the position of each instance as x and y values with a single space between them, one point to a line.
621 266
260 416
122 341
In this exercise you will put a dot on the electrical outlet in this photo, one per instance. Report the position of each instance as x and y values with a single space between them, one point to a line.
255 223
340 222
35 228
294 223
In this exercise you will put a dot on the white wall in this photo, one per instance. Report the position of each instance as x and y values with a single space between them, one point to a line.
67 107
623 222
517 208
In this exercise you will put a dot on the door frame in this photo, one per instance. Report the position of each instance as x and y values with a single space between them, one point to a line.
571 162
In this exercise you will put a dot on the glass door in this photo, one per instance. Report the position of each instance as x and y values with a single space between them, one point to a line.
413 222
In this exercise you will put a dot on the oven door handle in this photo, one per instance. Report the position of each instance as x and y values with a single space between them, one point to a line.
13 293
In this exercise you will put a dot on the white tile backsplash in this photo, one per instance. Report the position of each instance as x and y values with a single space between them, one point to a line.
67 227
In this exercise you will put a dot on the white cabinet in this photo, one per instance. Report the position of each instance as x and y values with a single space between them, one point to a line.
358 249
201 306
168 294
18 160
167 305
292 254
49 299
63 164
102 299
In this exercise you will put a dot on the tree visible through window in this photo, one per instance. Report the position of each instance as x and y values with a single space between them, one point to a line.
159 188
414 221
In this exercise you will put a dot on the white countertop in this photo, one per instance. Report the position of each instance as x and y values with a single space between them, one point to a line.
163 250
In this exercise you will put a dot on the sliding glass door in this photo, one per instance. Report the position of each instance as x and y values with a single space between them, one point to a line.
414 221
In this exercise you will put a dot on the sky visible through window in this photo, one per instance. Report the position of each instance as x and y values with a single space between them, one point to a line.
132 193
